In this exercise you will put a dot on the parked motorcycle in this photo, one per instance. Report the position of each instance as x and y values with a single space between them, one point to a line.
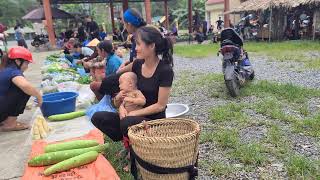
236 66
40 39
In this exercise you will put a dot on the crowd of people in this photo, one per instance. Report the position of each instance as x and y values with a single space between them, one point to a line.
140 86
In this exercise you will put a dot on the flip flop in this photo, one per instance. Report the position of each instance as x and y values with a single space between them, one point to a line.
19 126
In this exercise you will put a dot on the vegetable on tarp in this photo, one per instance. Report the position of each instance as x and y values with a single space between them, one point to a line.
84 80
74 162
58 156
67 116
77 144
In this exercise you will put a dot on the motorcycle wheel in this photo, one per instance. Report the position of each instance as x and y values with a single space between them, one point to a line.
36 44
233 87
251 77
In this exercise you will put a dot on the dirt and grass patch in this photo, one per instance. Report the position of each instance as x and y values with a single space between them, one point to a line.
118 161
280 110
306 52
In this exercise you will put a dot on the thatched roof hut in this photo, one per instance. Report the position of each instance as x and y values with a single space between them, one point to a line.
278 10
256 5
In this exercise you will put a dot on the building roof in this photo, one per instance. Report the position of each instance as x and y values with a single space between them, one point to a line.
91 1
214 1
255 5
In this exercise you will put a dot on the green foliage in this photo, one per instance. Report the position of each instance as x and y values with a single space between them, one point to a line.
276 137
298 51
206 137
250 154
272 108
84 80
196 50
309 126
180 12
12 11
227 138
217 168
300 167
288 92
118 163
229 112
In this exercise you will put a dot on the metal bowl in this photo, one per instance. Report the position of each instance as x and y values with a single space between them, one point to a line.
176 110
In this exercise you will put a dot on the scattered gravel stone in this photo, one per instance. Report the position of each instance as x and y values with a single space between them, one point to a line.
253 134
200 105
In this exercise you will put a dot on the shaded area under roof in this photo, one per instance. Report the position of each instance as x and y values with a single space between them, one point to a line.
38 14
255 5
93 1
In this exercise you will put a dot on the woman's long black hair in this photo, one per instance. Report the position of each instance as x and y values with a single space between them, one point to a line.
163 45
106 46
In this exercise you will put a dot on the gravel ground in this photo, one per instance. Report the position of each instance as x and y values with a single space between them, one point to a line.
199 103
284 72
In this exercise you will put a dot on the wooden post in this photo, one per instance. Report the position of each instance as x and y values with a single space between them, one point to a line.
125 5
112 15
314 24
166 13
190 15
48 16
226 16
270 25
147 5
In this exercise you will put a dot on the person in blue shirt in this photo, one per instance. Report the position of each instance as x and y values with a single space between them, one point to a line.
19 36
15 90
133 20
102 33
105 65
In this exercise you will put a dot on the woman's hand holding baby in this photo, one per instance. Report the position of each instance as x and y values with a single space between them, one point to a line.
122 112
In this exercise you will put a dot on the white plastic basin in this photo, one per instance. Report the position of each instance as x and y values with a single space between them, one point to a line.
176 110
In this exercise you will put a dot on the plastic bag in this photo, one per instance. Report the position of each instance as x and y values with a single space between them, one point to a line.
82 72
69 86
104 105
49 86
86 97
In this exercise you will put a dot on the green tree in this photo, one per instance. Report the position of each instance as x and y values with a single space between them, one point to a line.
12 11
180 10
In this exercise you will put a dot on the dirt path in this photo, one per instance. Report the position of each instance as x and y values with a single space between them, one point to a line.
15 146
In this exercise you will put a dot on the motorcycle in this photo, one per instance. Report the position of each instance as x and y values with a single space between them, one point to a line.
216 37
236 66
40 39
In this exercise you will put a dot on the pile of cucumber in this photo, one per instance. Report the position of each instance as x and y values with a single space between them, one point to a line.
67 116
68 155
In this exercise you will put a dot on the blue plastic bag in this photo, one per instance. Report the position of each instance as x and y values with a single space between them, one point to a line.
82 72
105 104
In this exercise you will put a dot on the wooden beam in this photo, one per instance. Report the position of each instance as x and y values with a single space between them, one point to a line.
166 13
270 23
314 25
190 15
147 5
112 15
125 5
48 16
226 15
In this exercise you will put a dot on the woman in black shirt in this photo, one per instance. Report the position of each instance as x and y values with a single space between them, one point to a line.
132 21
155 78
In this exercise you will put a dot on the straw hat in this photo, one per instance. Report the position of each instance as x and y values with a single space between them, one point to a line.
93 43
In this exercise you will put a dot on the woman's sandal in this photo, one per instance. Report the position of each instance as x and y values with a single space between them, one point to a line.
18 127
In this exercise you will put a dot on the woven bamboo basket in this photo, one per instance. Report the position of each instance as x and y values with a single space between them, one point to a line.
170 143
